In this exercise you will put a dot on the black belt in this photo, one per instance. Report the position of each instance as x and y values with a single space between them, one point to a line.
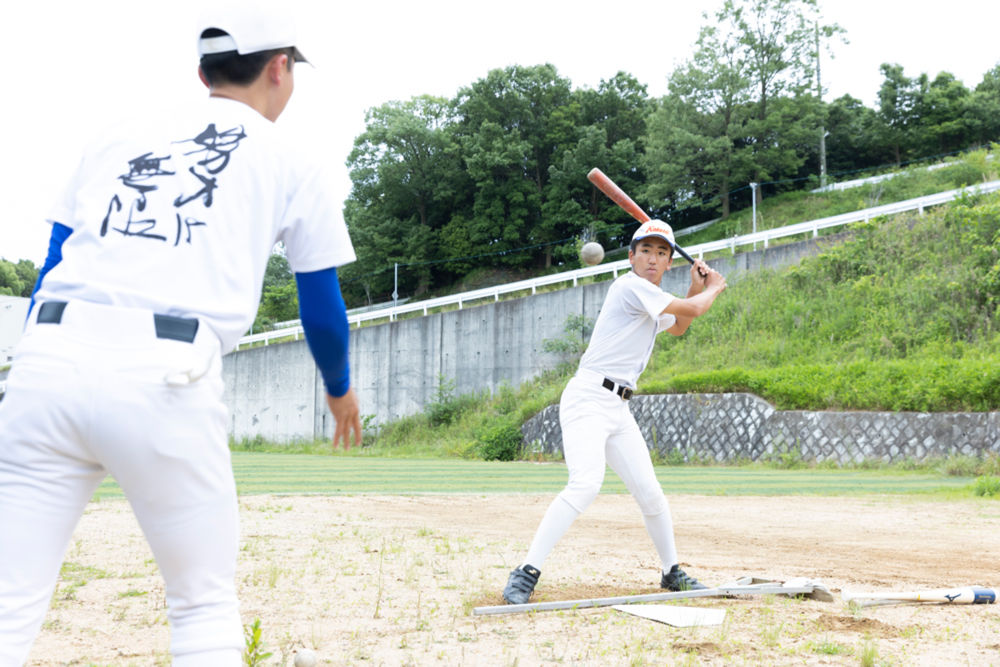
620 389
167 326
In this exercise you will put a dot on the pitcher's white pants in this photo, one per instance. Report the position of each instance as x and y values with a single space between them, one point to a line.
598 430
99 394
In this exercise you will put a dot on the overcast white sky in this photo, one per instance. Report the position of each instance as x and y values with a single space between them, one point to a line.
74 67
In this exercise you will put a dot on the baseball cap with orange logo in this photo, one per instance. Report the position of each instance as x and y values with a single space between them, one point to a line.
654 228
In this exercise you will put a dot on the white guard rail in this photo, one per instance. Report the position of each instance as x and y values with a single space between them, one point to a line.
700 250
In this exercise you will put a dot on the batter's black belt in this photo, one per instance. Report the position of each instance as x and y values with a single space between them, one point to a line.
167 327
620 389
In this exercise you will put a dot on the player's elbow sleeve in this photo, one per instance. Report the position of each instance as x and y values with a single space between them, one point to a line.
324 320
60 233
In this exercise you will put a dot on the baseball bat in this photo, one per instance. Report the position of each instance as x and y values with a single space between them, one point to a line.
626 203
960 595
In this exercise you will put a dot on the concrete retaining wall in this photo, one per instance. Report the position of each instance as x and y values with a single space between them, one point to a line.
735 427
13 312
396 368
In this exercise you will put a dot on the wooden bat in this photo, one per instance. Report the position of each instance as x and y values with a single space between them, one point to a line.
960 595
618 196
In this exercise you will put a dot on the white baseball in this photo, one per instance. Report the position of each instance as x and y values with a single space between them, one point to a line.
305 657
591 253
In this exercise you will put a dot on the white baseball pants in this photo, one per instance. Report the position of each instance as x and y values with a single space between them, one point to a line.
598 430
96 394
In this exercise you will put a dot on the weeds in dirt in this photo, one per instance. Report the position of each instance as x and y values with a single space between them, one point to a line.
988 486
132 593
475 599
724 629
771 632
828 647
868 652
254 653
76 576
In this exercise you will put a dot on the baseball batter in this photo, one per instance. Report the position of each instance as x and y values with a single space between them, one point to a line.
155 267
597 426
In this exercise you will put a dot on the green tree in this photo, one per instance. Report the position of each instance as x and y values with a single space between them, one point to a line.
944 116
690 158
279 300
898 99
792 127
277 272
408 183
573 207
280 303
694 154
612 122
853 140
28 273
524 102
984 109
514 124
619 106
11 283
507 203
776 46
741 109
777 37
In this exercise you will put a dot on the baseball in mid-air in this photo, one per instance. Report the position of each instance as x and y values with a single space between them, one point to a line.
591 253
305 657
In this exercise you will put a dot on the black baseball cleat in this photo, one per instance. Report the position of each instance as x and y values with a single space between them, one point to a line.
521 584
678 580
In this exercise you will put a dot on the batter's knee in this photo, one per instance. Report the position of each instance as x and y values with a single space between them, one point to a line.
651 500
579 494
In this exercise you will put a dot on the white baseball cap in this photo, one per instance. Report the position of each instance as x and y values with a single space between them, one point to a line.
654 228
250 26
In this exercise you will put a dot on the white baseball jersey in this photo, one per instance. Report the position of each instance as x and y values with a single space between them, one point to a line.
626 329
179 214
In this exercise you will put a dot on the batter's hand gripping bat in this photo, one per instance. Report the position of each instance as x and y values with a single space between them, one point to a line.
961 595
618 196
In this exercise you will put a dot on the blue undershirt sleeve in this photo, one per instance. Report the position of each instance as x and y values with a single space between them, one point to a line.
324 319
60 233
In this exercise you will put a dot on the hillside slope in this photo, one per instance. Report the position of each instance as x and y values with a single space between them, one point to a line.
903 316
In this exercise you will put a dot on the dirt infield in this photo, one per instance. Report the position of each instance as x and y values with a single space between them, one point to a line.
387 580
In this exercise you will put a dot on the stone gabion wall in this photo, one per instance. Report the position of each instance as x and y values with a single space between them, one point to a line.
734 427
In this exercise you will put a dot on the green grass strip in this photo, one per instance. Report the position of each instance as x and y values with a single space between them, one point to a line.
267 473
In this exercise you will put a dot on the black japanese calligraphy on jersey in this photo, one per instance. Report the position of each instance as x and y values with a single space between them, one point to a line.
145 176
217 147
132 226
186 224
142 170
207 186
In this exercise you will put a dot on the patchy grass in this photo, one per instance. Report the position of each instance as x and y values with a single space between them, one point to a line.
269 473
